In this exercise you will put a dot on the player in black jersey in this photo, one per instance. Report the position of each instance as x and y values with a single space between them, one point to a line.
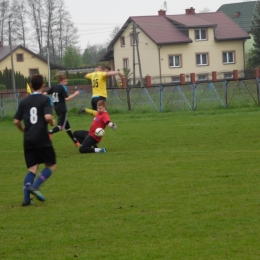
59 97
36 113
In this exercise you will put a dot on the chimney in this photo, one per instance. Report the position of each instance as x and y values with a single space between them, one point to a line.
190 11
161 12
1 44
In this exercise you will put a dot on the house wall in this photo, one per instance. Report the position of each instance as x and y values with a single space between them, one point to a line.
150 52
29 62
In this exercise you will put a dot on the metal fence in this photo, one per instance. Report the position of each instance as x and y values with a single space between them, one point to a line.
162 98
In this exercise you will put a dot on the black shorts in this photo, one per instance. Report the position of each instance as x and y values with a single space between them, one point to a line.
41 155
94 101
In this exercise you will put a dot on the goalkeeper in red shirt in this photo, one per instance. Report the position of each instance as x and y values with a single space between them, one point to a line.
88 139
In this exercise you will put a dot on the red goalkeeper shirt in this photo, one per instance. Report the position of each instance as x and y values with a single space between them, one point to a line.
100 120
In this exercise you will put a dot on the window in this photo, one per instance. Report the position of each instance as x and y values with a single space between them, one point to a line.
175 61
176 79
19 57
132 39
228 57
202 77
228 75
202 59
122 41
33 72
200 34
125 63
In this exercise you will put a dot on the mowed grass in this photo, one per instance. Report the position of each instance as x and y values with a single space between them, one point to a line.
179 185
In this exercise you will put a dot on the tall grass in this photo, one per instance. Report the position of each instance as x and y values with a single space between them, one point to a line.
171 186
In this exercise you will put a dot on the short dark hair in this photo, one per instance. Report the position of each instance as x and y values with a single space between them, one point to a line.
62 77
101 103
37 81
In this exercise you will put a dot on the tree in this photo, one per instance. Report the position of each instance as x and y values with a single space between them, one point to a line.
20 28
92 54
4 13
72 57
254 54
204 10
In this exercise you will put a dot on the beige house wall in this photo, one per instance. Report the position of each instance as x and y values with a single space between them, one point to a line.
29 62
150 54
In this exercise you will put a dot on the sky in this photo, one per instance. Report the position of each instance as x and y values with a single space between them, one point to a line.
96 20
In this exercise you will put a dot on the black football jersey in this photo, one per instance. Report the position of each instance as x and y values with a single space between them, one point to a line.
59 93
32 110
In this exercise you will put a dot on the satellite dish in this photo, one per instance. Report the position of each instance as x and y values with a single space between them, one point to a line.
165 6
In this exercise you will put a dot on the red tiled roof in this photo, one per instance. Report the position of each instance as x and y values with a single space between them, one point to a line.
160 30
191 20
226 28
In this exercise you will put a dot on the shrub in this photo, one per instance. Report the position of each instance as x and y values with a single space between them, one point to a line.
2 86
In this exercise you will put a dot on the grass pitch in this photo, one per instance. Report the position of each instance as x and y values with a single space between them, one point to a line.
179 185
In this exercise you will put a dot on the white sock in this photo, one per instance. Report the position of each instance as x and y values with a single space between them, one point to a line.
97 150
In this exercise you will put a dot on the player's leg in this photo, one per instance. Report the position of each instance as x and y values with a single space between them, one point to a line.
45 155
89 145
80 135
89 111
69 132
86 146
59 127
32 165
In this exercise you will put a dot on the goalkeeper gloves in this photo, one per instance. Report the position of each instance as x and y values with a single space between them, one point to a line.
113 126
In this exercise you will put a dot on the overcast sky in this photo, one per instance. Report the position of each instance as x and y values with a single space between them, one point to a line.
96 20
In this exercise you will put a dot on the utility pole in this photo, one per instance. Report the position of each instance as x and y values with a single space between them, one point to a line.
49 72
11 53
133 42
139 62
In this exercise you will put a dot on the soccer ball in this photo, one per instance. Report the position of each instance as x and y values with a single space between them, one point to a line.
99 132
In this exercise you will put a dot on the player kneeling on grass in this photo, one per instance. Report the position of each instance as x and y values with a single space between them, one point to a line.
36 113
89 139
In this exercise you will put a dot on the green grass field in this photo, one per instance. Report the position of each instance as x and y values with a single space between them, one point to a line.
179 185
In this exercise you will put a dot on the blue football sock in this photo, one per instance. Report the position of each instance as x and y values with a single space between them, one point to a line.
28 181
44 175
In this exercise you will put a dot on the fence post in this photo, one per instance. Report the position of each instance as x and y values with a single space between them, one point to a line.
161 97
192 78
128 98
256 70
235 74
214 76
182 79
124 85
225 93
194 97
148 81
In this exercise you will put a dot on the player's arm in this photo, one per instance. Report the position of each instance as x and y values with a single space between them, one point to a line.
19 125
49 119
111 125
72 96
113 73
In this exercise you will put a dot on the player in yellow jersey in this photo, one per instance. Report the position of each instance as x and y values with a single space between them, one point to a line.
99 86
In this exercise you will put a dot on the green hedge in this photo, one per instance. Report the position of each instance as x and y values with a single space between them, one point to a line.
2 86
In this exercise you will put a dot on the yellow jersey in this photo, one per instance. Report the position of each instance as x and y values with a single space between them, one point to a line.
99 83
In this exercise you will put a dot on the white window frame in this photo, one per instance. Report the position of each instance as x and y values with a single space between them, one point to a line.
202 77
227 53
200 34
228 75
173 57
122 41
201 59
176 79
125 63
